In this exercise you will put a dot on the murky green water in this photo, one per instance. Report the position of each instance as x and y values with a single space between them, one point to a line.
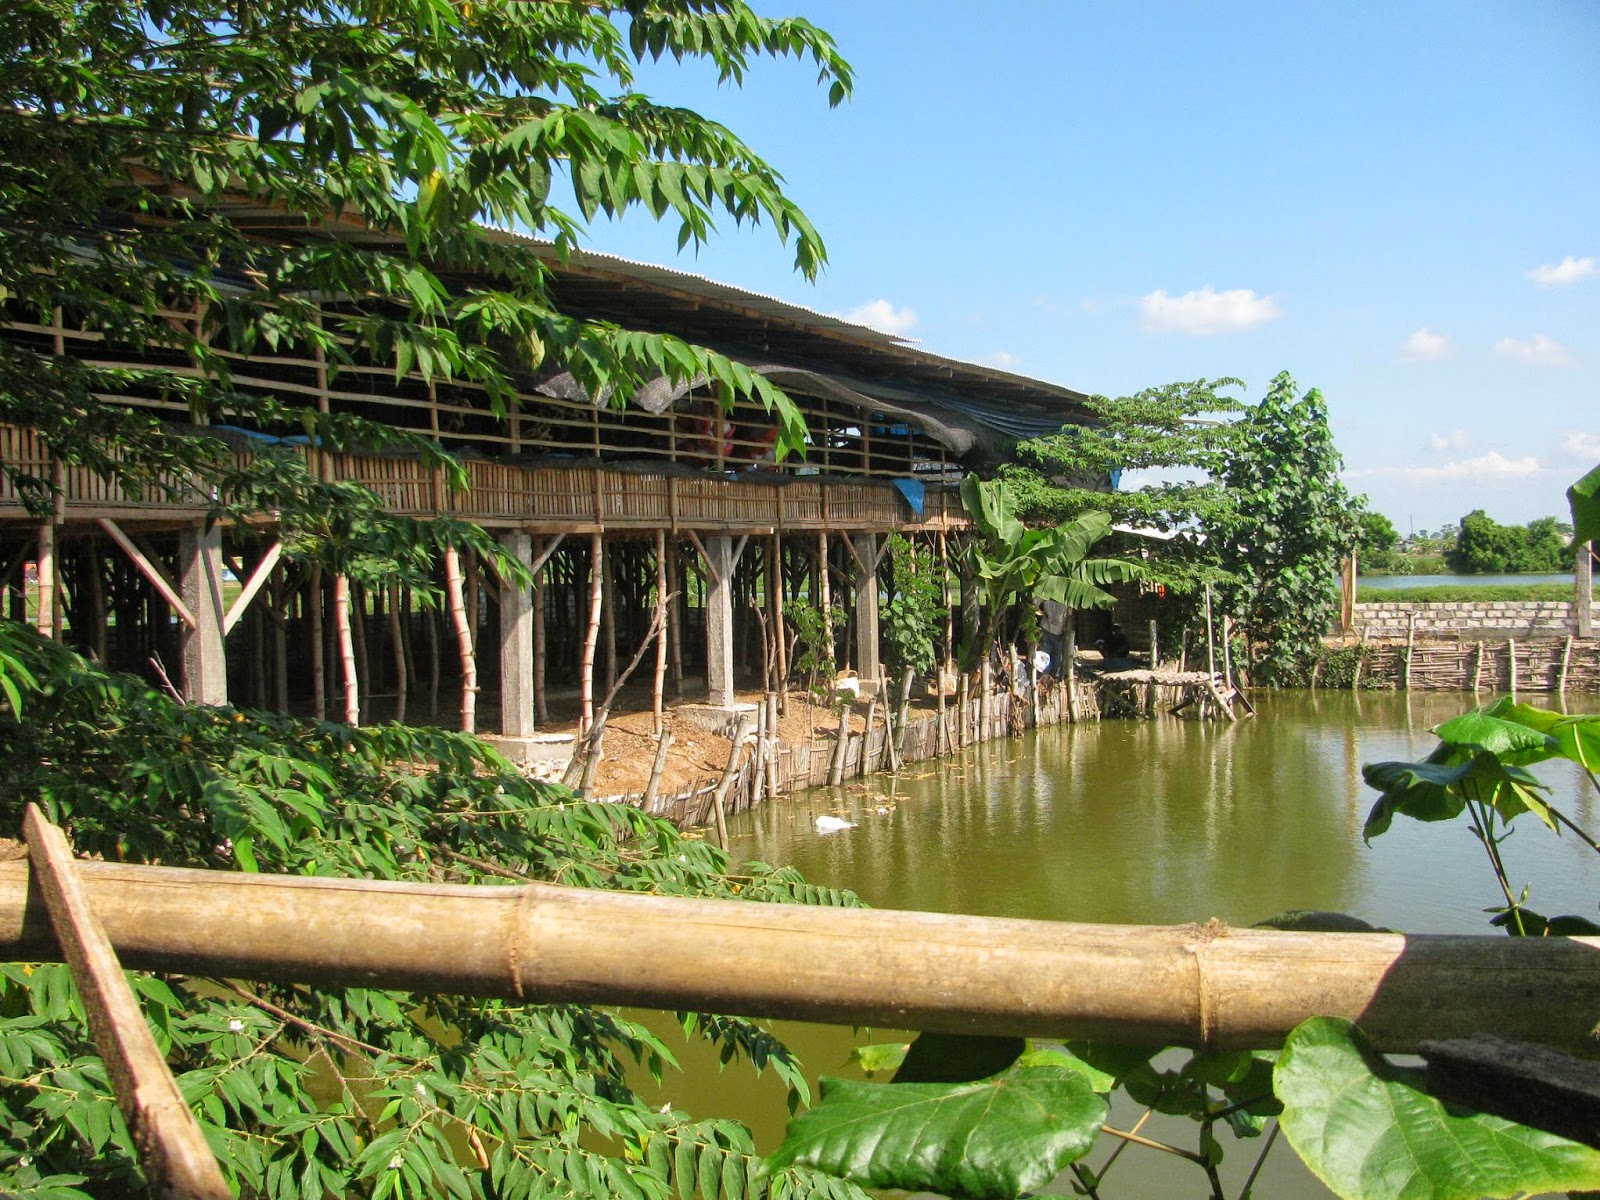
1160 822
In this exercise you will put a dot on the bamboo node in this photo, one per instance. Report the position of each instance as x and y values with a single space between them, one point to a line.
521 919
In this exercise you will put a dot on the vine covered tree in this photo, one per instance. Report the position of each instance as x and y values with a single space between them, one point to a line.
191 180
1292 522
195 157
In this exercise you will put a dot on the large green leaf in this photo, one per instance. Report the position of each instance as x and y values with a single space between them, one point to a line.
958 1058
1584 497
993 511
993 1139
1367 1129
1577 737
1510 741
1438 791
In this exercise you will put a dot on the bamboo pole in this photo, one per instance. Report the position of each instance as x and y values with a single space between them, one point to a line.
1197 985
758 774
398 642
319 682
663 745
458 617
591 636
1211 654
1566 662
1477 668
774 776
1511 664
719 798
44 619
657 688
176 1159
674 621
841 744
541 706
862 765
608 615
1411 642
347 649
358 642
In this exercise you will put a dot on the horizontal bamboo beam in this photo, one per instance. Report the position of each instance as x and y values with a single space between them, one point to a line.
1186 985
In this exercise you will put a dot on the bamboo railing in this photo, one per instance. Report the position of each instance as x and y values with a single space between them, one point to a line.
1196 985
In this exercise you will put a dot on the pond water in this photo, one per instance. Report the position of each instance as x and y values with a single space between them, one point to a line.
1161 822
1379 583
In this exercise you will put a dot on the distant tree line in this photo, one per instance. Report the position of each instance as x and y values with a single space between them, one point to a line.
1485 547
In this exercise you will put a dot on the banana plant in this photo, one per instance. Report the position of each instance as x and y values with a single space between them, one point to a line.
1012 562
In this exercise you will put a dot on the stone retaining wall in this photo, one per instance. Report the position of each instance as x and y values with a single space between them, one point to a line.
1494 619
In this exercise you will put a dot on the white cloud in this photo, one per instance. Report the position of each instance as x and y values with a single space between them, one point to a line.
1456 439
883 316
1207 312
1540 350
1424 343
1568 270
1580 443
1003 359
1485 468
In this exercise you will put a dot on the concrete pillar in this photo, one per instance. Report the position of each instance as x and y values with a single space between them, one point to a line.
867 664
719 621
205 663
516 644
1584 589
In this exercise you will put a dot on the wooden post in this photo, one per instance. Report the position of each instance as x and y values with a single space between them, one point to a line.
720 559
44 618
205 665
1511 664
517 636
1155 646
1583 590
663 745
663 617
319 666
1211 655
774 776
397 641
358 643
1477 668
825 587
867 551
591 636
674 621
608 614
454 591
758 774
963 691
1566 662
1411 642
176 1158
841 744
541 708
985 695
1227 650
862 765
780 646
741 730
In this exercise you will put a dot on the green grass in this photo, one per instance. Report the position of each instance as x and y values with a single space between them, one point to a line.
1466 592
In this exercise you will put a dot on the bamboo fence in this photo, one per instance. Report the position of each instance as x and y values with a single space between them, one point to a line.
1508 665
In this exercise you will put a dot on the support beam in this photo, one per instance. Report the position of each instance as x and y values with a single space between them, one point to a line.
1584 589
720 560
867 551
205 663
258 577
516 644
153 574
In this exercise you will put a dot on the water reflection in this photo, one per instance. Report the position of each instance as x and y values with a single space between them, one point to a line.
1169 821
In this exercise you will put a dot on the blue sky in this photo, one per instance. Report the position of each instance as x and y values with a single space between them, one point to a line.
1399 204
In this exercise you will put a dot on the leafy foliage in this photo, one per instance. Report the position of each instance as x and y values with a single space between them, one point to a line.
1014 563
355 1091
1370 1131
814 655
1583 497
911 616
1293 523
998 1137
1484 547
142 140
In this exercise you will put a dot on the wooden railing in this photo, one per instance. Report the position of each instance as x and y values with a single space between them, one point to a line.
504 494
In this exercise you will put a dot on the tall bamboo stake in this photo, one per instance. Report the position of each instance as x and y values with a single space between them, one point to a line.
1411 643
674 620
661 617
1566 661
1196 985
358 643
841 746
398 642
1511 665
319 682
866 735
719 798
458 617
591 636
608 615
347 649
1211 655
541 708
663 745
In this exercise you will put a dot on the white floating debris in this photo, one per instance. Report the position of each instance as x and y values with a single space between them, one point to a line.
828 823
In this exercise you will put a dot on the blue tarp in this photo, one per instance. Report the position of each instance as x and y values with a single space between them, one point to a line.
913 491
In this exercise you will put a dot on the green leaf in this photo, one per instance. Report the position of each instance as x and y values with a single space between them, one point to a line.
996 1138
879 1056
1510 741
1305 920
1584 499
1367 1129
957 1058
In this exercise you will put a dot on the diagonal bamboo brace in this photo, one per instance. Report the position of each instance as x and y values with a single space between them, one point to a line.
173 1152
1184 985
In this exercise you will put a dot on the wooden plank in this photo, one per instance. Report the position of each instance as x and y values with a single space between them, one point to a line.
258 577
150 571
173 1152
1519 1081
